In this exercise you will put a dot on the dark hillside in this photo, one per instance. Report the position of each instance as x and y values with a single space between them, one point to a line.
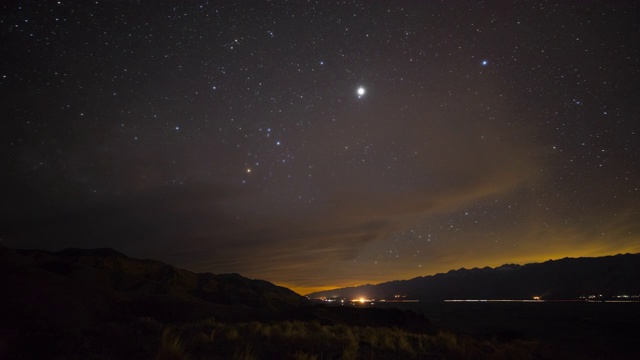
78 302
125 285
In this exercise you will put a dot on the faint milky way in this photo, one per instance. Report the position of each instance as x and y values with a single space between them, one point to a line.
322 144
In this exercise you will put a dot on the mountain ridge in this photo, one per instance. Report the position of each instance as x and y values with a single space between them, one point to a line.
567 278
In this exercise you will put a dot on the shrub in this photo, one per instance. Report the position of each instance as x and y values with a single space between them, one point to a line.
231 333
245 353
350 351
299 355
402 340
446 341
171 347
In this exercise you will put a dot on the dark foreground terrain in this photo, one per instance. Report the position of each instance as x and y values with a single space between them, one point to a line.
100 304
568 330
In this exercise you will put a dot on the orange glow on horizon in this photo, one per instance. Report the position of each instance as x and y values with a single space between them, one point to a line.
522 260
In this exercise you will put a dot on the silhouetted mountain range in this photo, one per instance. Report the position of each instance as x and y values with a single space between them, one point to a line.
568 278
78 288
101 304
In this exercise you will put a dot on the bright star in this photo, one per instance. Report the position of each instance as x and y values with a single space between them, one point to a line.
361 91
485 62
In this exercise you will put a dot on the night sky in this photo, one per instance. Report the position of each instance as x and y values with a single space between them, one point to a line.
322 144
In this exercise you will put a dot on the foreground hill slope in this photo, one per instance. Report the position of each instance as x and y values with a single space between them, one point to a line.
76 285
101 304
568 278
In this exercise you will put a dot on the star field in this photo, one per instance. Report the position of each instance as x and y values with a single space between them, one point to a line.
322 144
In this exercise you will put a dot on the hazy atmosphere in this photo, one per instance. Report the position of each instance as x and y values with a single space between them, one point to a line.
322 144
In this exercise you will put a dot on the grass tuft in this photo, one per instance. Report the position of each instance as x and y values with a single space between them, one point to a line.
171 347
245 353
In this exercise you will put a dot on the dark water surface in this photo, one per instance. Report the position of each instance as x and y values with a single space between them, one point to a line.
596 329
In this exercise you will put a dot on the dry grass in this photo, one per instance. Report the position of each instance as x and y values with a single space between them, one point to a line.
245 354
293 340
299 355
171 347
298 340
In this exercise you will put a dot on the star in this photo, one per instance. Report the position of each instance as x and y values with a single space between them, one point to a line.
215 111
